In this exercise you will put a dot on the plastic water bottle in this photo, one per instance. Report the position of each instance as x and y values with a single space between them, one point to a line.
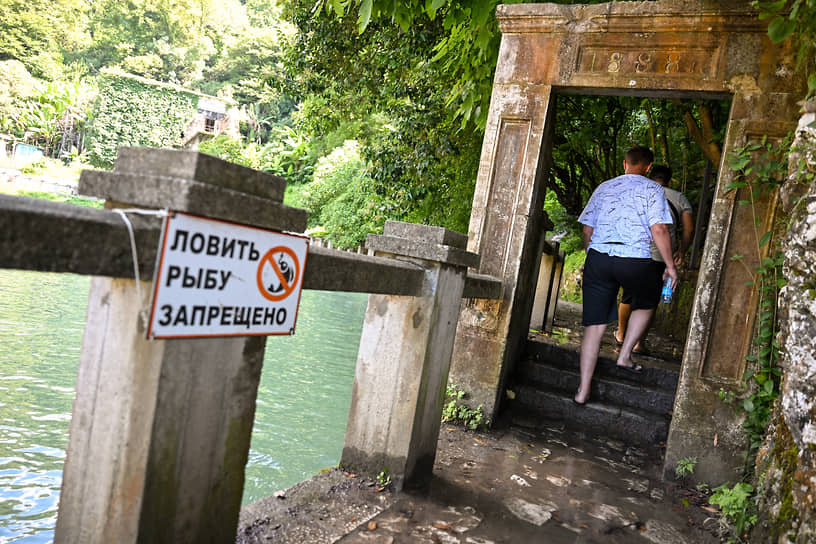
666 293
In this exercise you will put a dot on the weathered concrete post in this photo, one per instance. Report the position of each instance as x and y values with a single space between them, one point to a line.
404 357
160 429
547 286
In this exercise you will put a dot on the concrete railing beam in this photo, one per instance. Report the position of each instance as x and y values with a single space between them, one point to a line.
53 237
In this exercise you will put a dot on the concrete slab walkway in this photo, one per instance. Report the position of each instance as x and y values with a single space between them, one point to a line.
511 484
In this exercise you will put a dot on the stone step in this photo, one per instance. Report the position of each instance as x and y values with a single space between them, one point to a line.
656 374
632 407
631 426
609 388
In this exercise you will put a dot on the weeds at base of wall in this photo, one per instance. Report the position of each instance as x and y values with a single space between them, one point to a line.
454 410
383 479
685 467
759 169
738 509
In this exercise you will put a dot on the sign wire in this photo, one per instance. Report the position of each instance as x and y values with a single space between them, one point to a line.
139 211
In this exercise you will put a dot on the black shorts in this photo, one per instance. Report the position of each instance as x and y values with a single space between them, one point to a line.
604 276
626 297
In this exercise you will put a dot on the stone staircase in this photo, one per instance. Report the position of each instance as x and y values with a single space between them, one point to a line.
634 408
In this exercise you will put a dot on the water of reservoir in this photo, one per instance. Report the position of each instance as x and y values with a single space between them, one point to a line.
300 420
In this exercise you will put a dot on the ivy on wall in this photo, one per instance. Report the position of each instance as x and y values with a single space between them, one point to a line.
134 112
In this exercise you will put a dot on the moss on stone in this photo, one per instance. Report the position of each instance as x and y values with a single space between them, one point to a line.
785 455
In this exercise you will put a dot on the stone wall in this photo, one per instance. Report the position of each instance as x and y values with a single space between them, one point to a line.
786 464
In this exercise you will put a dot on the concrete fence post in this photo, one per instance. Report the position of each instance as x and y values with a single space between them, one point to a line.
555 289
404 357
160 429
547 286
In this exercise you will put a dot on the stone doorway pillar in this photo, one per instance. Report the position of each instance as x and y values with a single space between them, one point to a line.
722 324
505 226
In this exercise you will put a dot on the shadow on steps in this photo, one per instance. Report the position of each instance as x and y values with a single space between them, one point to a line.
632 407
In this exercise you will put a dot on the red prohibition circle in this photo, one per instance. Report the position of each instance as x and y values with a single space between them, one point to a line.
288 287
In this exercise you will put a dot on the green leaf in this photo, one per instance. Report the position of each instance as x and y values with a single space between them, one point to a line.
780 29
738 162
365 15
768 387
748 405
769 9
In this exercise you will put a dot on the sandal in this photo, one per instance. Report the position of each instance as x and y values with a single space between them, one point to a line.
636 368
615 335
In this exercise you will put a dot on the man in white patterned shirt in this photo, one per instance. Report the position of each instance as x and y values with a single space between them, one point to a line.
621 219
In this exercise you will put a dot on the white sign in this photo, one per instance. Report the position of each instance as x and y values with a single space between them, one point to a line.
216 278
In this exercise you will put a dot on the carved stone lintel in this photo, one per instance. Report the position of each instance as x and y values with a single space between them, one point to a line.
650 17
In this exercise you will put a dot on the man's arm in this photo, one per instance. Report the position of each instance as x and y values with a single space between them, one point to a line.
662 239
587 235
688 231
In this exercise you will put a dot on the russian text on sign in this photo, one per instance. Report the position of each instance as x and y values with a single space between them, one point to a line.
217 278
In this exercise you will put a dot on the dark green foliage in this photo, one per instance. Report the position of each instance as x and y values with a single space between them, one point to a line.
250 68
129 112
591 134
384 84
340 200
791 18
465 49
353 214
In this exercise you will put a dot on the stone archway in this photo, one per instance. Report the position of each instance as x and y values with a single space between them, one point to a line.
665 48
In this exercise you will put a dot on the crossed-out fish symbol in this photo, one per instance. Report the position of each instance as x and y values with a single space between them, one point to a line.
287 273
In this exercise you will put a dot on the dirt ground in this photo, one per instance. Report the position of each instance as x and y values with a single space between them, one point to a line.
511 484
